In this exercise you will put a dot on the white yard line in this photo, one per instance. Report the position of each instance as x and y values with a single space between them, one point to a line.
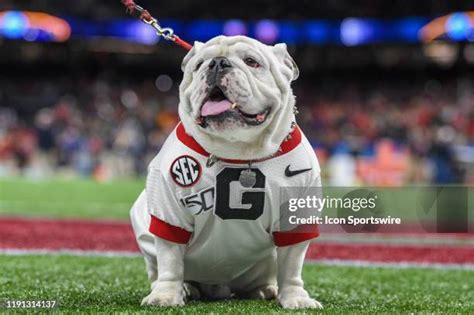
98 205
398 265
398 239
325 262
68 252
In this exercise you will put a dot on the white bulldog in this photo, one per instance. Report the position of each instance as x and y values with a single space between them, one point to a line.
236 103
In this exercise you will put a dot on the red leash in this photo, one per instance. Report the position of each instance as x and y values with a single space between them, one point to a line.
165 32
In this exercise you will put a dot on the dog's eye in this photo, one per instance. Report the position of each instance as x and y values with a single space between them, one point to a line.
251 62
198 65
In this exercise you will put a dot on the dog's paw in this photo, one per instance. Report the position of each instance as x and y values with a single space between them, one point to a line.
297 298
165 294
267 292
163 299
299 302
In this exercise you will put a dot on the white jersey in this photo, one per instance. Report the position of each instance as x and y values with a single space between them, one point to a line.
227 227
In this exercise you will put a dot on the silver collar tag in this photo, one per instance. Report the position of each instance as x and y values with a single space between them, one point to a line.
247 177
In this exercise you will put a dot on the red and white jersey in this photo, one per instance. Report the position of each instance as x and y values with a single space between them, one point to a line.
227 227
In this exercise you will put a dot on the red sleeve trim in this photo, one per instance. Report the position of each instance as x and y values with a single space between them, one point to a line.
295 236
169 232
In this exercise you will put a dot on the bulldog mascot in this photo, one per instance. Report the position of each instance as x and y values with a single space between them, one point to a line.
208 222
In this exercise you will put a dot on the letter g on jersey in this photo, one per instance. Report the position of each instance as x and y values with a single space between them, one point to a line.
185 171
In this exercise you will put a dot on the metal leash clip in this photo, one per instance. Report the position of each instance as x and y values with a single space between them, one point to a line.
165 32
145 16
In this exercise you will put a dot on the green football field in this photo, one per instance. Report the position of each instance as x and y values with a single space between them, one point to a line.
69 198
117 284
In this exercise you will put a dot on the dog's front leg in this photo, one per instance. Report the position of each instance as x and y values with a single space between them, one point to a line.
168 289
291 293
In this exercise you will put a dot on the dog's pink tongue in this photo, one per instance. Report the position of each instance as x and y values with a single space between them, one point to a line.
211 108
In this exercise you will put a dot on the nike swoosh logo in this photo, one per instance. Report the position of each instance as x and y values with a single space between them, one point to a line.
290 173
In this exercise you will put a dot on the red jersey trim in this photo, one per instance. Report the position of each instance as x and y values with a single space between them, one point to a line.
169 232
295 236
189 141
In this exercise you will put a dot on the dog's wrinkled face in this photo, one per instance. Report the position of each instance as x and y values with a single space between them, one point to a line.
234 88
228 101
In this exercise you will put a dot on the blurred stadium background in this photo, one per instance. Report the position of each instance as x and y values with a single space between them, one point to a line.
386 91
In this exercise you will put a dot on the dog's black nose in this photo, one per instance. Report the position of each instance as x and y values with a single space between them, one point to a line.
219 63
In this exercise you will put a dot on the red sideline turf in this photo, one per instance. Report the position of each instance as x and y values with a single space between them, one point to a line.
34 234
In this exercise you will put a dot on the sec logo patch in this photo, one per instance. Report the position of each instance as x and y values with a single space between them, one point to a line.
185 171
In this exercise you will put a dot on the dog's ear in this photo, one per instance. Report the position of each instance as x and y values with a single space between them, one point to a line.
281 52
196 47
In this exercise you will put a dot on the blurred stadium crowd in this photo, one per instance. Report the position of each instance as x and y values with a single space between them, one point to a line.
378 110
248 9
369 132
